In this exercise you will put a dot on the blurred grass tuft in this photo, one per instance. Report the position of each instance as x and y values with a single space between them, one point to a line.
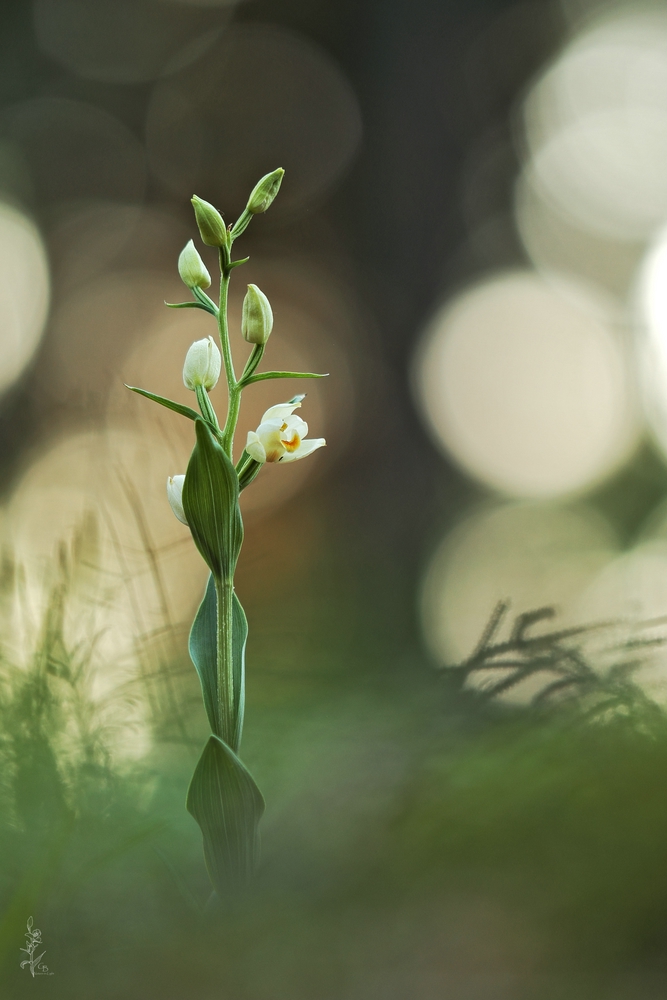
422 836
561 670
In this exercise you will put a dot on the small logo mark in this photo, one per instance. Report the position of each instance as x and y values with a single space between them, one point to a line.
34 962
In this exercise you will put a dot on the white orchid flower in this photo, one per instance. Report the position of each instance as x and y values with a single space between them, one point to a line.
281 436
175 496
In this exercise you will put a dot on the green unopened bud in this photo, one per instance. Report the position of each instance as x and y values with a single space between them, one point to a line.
265 191
211 224
257 318
192 268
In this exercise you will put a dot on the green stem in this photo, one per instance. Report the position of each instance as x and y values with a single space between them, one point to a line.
232 420
233 387
256 356
225 587
241 224
234 401
224 590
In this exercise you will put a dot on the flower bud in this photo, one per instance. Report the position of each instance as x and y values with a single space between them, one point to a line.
211 224
175 496
191 268
202 365
265 191
257 318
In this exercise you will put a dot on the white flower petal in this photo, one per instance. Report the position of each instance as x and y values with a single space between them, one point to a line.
255 448
175 496
269 427
304 449
269 434
283 410
295 425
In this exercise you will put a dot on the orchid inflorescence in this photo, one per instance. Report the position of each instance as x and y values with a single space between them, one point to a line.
223 797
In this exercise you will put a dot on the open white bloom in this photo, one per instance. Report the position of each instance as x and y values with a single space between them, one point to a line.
175 495
280 436
202 364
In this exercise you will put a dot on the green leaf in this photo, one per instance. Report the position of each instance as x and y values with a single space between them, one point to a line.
211 503
203 653
228 806
264 375
187 305
185 411
203 647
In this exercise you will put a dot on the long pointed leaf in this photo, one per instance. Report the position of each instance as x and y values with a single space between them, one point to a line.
187 305
228 806
203 650
211 503
203 645
265 375
185 411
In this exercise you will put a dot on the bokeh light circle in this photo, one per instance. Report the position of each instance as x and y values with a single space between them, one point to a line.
631 592
651 304
90 332
89 520
91 239
596 126
557 243
262 98
127 41
525 383
145 574
24 292
530 554
202 3
74 151
606 172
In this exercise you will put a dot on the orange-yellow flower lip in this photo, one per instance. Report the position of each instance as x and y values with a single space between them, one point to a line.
292 445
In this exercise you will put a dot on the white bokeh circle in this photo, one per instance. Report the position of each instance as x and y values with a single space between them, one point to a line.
526 384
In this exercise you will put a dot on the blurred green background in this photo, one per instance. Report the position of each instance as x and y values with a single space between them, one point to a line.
470 239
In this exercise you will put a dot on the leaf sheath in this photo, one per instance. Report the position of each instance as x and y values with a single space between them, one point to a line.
227 804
